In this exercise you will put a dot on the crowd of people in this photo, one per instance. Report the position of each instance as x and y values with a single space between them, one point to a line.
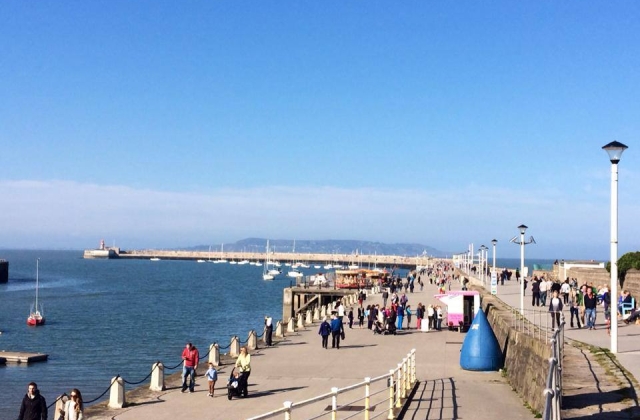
583 301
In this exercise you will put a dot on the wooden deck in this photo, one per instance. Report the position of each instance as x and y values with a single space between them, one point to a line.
21 357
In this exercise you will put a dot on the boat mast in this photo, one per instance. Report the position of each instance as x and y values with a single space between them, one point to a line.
37 280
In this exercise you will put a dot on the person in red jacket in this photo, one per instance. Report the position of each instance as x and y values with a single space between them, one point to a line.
191 357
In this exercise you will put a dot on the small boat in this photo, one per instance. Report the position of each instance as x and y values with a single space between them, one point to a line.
294 273
154 259
36 315
202 261
266 273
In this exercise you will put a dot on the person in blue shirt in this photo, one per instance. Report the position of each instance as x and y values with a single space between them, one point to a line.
324 331
212 377
336 330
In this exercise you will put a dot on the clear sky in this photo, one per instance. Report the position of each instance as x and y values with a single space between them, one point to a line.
158 124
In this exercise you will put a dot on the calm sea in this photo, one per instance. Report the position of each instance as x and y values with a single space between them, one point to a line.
110 317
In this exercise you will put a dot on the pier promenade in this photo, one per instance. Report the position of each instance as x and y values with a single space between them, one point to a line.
297 368
597 385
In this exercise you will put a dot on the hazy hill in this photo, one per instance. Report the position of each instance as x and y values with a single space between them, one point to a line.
329 246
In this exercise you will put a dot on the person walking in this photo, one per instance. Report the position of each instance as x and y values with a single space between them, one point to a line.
535 292
385 296
243 364
555 308
590 302
212 377
408 313
400 315
324 331
361 317
575 307
190 356
336 330
34 406
73 407
350 318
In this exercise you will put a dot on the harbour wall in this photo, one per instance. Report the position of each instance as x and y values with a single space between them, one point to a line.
362 261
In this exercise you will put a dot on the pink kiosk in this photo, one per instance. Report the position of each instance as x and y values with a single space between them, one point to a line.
462 306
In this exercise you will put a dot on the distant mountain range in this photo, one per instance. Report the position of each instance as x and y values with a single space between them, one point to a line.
329 246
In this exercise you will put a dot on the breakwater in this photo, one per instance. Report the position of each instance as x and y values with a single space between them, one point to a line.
362 261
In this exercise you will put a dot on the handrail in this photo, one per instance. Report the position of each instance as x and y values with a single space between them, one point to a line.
553 390
399 382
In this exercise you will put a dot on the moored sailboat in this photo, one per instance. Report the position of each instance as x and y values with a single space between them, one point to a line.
36 315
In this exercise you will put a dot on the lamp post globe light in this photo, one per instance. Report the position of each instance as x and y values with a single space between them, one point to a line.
614 149
522 243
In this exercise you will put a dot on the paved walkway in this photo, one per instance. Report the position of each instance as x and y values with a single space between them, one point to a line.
298 368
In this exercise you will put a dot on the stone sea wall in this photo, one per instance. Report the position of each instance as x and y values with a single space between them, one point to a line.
526 359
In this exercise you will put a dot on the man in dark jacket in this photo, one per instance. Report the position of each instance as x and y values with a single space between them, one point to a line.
34 406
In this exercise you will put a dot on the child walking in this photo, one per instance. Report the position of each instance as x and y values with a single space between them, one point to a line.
212 377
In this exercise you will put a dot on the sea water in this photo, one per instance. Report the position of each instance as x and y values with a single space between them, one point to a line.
118 317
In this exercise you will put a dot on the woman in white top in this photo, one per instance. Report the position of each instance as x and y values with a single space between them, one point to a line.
73 407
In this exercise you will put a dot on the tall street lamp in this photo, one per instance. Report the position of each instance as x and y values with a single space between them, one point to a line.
494 242
522 243
483 253
614 149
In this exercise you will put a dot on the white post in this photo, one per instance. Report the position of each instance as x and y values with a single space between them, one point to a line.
390 416
234 347
614 257
367 397
252 340
214 354
494 254
157 377
334 403
522 272
116 393
399 386
287 406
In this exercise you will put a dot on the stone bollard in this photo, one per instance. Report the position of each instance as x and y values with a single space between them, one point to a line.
252 341
291 325
308 320
323 312
316 314
279 329
300 322
329 309
116 395
157 377
214 354
234 348
264 335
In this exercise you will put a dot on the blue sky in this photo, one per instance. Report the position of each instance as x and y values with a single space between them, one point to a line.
158 124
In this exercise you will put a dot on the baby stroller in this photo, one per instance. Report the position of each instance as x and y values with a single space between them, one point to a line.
236 385
390 327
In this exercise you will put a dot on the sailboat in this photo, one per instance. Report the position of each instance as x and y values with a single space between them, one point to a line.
294 272
36 315
266 275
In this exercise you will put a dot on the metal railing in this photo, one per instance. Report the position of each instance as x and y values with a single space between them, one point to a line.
537 323
553 389
388 391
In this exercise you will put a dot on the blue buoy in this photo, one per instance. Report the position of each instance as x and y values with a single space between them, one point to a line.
480 349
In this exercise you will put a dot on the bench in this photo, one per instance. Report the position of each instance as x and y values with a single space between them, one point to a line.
627 308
